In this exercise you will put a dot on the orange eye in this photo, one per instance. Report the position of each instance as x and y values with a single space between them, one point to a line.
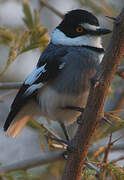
79 29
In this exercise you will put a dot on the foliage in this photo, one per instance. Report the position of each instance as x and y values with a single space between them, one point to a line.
88 174
20 42
20 175
35 36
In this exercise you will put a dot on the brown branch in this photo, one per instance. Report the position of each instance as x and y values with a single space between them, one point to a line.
118 159
94 108
97 151
49 133
110 144
105 160
107 147
30 163
53 9
40 160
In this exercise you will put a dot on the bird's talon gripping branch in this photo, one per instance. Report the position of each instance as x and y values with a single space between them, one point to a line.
68 144
79 122
69 150
105 120
61 141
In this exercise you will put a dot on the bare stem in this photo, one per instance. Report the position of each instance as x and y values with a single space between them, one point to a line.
7 85
53 9
30 163
38 161
105 160
118 159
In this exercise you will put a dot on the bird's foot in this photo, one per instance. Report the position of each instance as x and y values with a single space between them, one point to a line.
65 143
69 150
79 120
60 141
105 120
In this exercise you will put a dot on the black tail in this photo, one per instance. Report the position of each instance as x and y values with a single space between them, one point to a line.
9 119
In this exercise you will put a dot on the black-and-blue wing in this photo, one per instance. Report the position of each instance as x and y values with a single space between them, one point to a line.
48 67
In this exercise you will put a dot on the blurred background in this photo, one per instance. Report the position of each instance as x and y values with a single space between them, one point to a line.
25 27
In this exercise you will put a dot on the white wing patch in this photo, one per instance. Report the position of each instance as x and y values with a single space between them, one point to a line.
35 75
62 65
32 88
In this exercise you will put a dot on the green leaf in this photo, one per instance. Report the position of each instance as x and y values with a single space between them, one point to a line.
8 177
23 41
11 57
6 36
116 171
88 174
36 18
28 19
33 46
35 37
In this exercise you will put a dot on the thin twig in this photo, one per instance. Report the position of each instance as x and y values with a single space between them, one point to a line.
105 160
7 85
6 95
38 161
53 9
102 149
33 162
99 151
122 136
93 167
59 146
118 159
49 132
110 144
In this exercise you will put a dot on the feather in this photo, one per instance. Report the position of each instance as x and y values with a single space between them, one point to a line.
17 127
32 88
35 75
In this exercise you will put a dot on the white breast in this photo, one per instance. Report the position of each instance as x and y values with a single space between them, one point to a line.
51 102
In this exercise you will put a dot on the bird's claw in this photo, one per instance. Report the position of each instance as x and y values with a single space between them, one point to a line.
104 119
79 120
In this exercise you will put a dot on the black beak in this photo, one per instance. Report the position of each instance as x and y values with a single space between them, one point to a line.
99 31
102 31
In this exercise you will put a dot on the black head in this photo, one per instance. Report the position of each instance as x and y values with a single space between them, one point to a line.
81 22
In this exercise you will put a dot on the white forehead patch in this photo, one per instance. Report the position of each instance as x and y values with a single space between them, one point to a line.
59 38
89 26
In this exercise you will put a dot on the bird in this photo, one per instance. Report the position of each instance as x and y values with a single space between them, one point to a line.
58 87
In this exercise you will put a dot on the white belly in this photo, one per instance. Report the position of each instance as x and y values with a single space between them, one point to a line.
51 102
